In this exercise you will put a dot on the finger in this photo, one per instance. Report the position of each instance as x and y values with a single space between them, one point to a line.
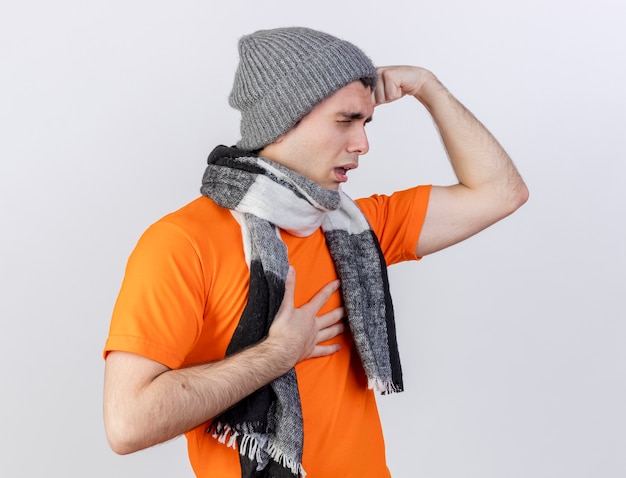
331 332
392 89
379 91
324 350
330 318
319 299
290 287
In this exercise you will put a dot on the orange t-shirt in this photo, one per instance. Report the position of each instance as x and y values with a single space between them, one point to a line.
185 288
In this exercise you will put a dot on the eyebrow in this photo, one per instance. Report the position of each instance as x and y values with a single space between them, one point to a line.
354 116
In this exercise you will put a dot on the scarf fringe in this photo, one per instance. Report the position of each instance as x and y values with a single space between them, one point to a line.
222 432
251 448
383 386
279 457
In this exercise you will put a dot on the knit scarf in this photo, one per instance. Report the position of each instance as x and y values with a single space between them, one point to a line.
263 196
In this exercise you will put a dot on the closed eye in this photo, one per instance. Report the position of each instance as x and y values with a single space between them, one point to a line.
350 117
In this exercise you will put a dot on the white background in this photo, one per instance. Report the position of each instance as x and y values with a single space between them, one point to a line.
512 342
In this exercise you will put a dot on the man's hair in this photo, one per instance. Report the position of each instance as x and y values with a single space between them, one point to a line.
368 83
283 73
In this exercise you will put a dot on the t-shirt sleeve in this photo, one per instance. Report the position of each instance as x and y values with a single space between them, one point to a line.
158 312
397 221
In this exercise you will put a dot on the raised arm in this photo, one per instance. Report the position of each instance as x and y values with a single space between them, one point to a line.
489 187
146 403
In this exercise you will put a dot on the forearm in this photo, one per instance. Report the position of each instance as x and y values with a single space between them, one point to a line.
176 401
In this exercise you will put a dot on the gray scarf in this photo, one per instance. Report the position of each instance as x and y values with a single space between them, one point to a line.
266 426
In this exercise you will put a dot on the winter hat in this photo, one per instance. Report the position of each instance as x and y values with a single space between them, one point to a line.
283 73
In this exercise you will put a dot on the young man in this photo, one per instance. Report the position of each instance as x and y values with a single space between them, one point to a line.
257 318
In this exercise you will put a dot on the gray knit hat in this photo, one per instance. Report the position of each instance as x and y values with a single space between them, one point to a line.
283 73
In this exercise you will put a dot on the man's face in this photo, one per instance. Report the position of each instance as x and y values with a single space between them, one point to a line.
328 141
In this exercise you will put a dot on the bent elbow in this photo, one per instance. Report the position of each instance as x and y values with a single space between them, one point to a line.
119 442
514 198
120 448
120 436
520 196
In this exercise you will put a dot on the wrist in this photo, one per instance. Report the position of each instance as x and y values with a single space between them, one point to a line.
281 355
432 92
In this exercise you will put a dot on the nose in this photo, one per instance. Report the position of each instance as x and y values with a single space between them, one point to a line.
359 143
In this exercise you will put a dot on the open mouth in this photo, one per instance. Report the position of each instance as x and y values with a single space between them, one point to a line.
341 174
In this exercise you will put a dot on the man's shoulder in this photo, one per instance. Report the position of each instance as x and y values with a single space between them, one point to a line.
201 211
200 221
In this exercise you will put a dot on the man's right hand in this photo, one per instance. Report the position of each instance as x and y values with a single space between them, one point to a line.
300 330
